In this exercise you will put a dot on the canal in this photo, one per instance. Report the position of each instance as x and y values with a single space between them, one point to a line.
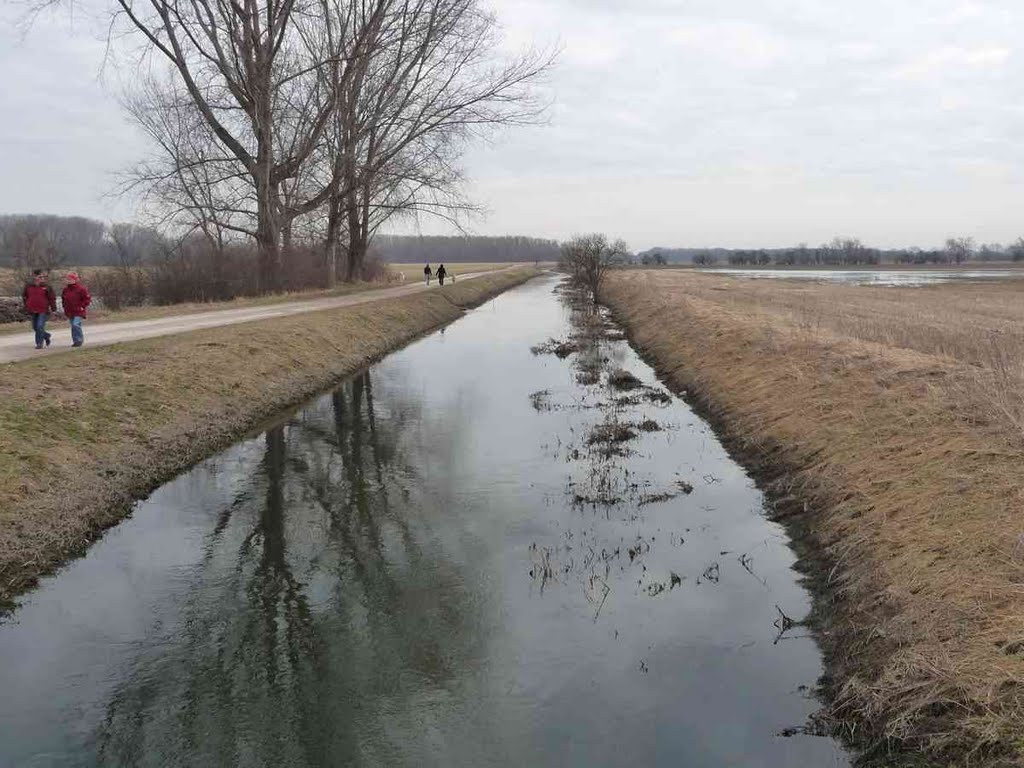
505 544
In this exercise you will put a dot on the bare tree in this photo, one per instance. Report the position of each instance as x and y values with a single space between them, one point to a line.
991 252
589 258
134 244
850 251
429 83
191 183
1016 250
318 118
262 77
959 249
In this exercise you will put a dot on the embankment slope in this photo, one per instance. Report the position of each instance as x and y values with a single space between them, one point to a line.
83 435
904 496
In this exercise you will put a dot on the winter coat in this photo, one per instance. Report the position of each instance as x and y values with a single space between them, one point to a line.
76 299
39 299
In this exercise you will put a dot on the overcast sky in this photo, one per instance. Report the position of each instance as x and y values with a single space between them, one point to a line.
673 122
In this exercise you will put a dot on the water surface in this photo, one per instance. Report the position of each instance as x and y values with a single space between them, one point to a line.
880 277
433 565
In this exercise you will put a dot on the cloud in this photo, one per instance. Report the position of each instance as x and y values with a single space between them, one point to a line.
675 122
858 51
593 49
950 60
735 44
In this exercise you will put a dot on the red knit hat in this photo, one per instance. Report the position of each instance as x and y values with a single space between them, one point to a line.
72 276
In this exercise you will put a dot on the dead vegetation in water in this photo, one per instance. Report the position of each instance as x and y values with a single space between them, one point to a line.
890 423
623 380
611 432
592 336
605 491
645 395
591 330
583 559
541 400
560 349
588 369
607 483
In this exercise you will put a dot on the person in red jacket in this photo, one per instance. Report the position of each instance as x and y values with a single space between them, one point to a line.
76 299
39 303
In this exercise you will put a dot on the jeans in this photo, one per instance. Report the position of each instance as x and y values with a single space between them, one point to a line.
77 337
39 326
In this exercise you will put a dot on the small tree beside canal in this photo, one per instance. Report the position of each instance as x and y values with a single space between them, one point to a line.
588 258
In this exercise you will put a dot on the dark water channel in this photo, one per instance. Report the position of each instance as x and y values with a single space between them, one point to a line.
441 563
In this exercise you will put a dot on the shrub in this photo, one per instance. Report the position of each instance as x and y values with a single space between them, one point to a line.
11 311
120 288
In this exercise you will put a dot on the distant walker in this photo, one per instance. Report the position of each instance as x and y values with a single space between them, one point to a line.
441 273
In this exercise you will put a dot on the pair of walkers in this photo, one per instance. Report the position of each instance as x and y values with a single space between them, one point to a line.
441 273
40 302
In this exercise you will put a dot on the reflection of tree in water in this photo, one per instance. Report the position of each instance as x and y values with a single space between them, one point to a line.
317 617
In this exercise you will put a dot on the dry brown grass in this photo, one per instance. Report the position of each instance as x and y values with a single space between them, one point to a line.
979 325
82 436
887 412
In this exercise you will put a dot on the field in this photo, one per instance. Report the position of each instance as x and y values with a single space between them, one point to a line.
889 423
97 429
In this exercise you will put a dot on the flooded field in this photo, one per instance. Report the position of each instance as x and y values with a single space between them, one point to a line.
504 545
881 277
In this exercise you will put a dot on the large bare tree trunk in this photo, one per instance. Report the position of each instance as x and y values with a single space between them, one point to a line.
268 239
331 240
357 240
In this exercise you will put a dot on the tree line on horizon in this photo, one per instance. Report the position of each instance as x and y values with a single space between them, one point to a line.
48 241
841 251
410 249
185 271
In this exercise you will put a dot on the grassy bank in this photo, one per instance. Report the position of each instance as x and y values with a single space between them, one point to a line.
887 425
82 436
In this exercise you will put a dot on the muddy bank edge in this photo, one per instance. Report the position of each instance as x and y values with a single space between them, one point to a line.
83 436
869 475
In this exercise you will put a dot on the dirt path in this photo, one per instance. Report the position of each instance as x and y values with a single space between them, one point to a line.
19 346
